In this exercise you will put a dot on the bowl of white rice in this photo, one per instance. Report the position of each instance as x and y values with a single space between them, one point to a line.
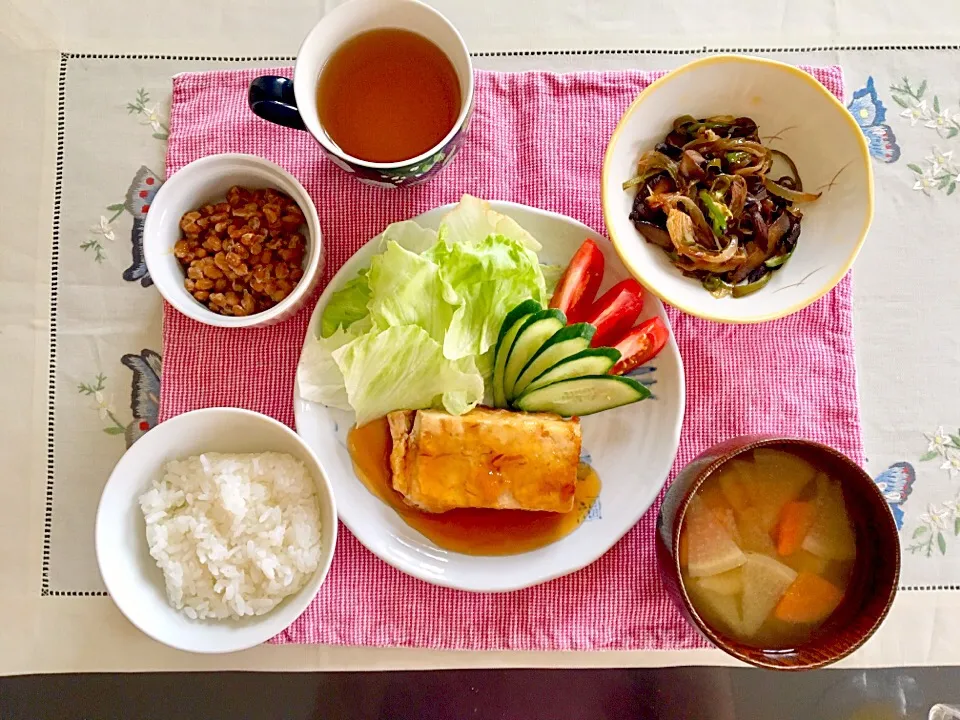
215 530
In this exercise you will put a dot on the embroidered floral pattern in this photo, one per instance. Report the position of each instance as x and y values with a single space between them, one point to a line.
104 404
937 524
941 521
936 172
916 109
944 446
149 115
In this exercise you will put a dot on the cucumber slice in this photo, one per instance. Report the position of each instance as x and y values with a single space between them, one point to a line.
534 332
508 333
595 361
564 343
583 396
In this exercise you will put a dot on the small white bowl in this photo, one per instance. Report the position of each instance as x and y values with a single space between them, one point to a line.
132 577
206 181
814 128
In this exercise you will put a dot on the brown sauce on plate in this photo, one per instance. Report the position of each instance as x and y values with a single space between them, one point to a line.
470 531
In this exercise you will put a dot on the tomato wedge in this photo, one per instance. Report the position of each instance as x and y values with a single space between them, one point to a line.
615 312
578 287
640 345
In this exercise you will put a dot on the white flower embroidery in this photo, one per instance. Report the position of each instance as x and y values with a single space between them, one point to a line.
916 112
951 464
104 229
939 440
925 181
940 160
104 405
939 121
935 517
151 117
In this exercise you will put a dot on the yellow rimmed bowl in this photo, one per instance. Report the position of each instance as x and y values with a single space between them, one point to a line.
810 125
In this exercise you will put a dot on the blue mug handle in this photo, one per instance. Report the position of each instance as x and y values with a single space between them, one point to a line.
272 98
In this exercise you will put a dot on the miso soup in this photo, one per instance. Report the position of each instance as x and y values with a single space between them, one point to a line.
767 548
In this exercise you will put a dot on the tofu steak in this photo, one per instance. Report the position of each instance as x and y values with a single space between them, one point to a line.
484 459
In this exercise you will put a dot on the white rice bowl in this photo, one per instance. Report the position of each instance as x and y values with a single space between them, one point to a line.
233 534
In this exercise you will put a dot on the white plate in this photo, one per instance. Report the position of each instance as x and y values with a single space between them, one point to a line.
632 448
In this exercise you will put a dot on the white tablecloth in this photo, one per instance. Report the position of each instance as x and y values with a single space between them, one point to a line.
87 96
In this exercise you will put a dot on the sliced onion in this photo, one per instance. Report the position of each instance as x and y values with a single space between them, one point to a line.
651 163
794 196
682 233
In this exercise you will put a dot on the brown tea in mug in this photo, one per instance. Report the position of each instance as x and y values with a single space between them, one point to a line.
388 95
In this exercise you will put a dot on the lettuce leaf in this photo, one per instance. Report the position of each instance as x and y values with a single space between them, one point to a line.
485 281
346 305
403 368
551 276
406 289
416 329
318 377
408 235
472 221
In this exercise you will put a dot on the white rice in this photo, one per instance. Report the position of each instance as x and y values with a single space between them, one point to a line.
233 534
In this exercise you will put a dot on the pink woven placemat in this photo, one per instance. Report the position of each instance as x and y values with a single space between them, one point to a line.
536 138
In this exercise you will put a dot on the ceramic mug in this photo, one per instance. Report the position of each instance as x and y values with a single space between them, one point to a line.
293 104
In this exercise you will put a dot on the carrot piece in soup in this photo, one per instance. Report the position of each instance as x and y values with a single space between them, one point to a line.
796 519
810 599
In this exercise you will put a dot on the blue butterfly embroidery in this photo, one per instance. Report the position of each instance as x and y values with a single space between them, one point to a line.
144 393
896 484
870 114
139 196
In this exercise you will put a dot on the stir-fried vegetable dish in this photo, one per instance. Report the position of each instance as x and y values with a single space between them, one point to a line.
706 195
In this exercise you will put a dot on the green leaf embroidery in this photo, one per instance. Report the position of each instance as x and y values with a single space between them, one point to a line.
950 190
921 89
952 132
929 455
936 104
956 526
160 136
900 101
922 530
942 543
955 439
115 206
915 168
113 430
944 181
